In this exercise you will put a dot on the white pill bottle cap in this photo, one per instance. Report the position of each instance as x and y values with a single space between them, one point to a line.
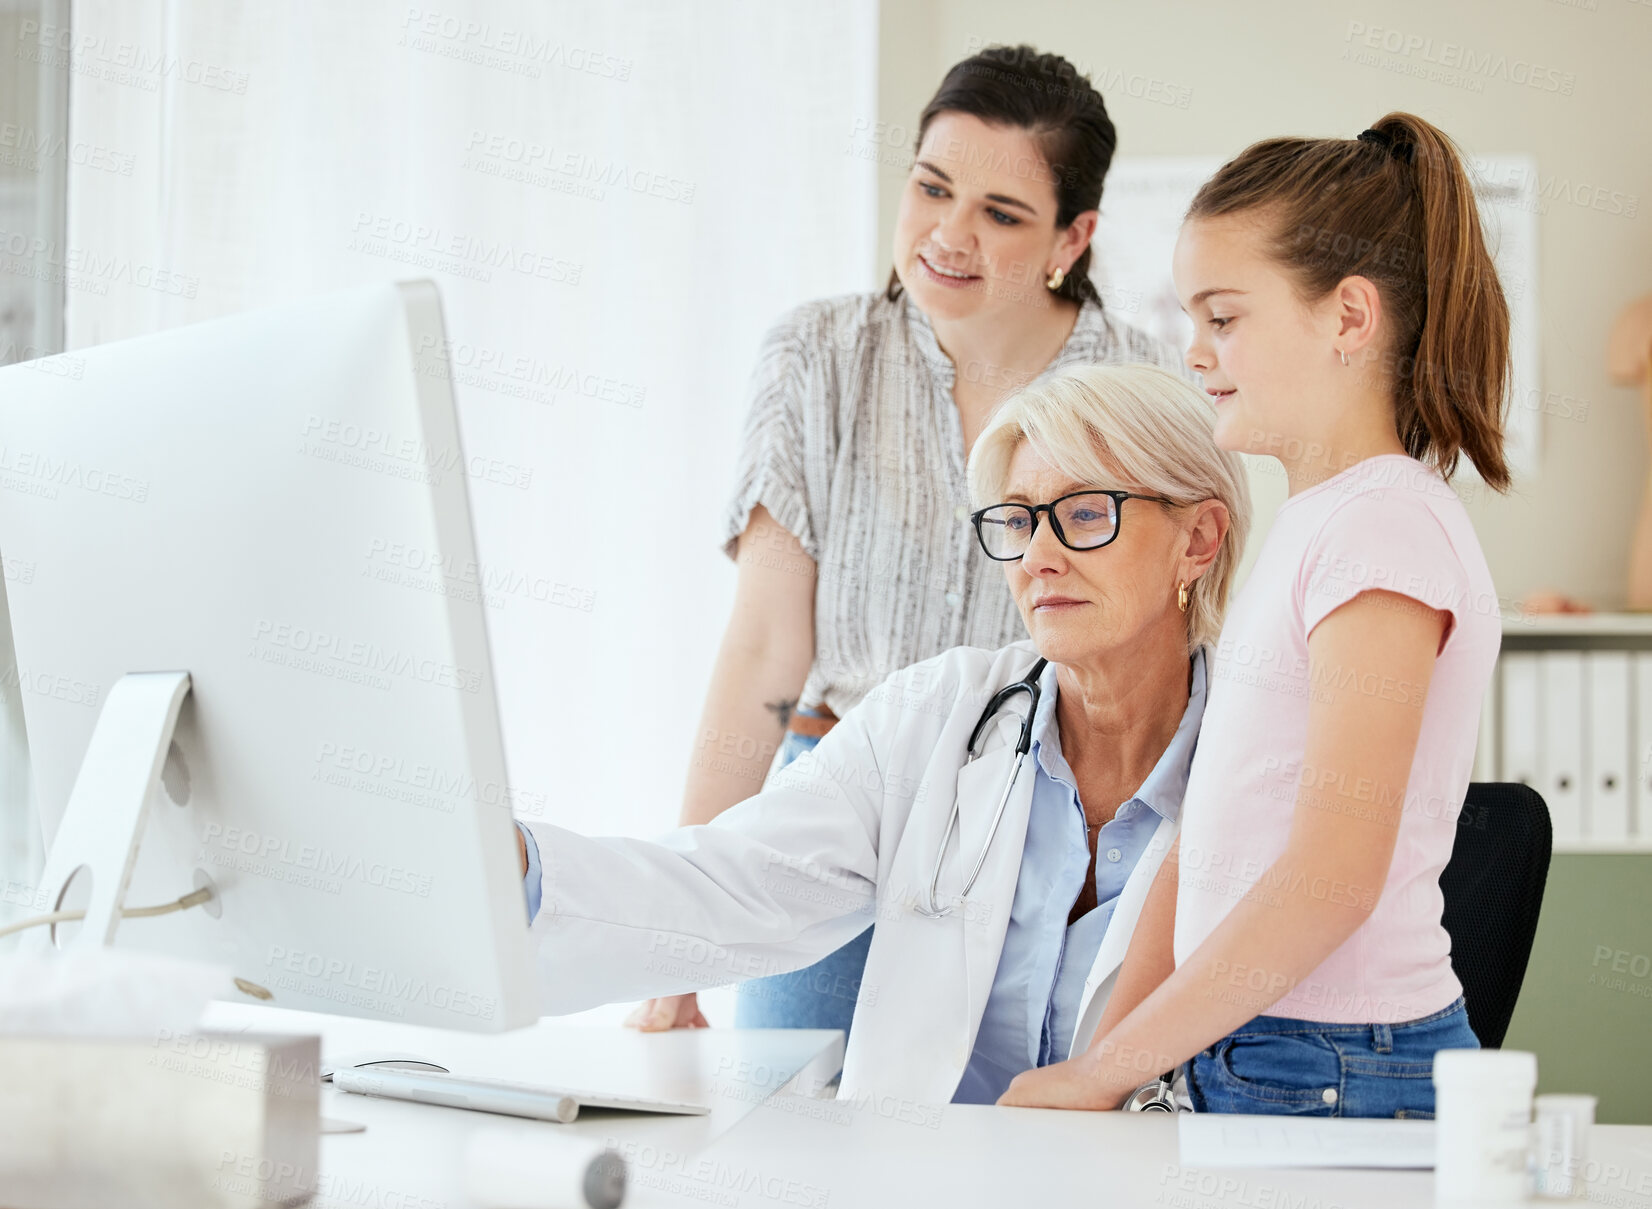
1509 1070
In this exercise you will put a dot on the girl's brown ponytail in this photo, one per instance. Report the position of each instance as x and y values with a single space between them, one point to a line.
1396 206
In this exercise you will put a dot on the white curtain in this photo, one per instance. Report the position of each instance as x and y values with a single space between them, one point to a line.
33 121
664 178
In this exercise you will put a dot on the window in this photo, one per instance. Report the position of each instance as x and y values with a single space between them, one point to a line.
34 157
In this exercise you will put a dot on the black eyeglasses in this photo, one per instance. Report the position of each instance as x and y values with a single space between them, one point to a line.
1084 520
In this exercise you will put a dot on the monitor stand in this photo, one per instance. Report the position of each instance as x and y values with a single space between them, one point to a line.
103 824
109 806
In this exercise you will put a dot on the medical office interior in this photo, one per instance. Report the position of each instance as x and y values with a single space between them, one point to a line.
615 203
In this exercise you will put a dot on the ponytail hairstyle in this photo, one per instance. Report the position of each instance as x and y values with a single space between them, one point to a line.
1046 96
1395 206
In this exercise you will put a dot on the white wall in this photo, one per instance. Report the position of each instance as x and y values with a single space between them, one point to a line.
1191 77
278 150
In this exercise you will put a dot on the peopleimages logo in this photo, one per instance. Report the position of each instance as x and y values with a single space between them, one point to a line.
83 269
1450 58
50 684
466 579
277 851
504 48
369 657
41 474
370 443
533 162
369 986
25 148
42 361
96 56
471 256
427 784
479 365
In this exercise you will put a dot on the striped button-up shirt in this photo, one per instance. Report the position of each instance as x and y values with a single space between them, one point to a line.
854 444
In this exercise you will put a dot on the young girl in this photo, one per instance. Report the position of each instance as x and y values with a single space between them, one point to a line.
1350 323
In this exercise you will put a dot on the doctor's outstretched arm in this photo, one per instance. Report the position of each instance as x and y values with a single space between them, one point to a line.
772 885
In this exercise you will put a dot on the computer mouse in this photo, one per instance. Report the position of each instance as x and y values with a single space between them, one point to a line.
381 1059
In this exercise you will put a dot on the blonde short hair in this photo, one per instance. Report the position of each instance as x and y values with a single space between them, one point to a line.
1098 422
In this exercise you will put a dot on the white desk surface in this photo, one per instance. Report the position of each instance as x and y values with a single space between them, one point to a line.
411 1155
980 1156
765 1148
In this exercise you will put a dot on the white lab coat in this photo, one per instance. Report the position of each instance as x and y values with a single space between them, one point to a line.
843 837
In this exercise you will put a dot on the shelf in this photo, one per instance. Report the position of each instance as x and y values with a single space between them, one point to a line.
1603 847
1598 721
1578 632
1578 625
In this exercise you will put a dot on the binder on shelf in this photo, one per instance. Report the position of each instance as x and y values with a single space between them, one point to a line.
1485 745
1609 764
1519 755
1560 719
1640 800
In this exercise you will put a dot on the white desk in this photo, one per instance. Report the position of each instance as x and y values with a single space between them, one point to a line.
767 1148
976 1157
412 1155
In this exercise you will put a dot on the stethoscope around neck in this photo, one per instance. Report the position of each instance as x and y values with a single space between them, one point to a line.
1027 684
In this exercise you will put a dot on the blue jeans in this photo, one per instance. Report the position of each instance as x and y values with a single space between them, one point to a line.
819 996
1309 1068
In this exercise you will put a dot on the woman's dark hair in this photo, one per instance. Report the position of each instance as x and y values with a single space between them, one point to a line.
1046 96
1393 205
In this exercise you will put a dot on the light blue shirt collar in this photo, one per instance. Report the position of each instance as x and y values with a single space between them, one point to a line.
1038 989
1164 787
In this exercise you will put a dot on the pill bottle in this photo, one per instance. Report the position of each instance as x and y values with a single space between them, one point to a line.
1482 1125
1560 1144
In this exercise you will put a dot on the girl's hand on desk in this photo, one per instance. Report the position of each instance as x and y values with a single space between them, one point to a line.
1075 1083
668 1012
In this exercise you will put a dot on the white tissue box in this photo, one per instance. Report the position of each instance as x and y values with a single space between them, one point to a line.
210 1119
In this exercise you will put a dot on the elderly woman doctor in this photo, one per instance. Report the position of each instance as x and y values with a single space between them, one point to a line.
998 814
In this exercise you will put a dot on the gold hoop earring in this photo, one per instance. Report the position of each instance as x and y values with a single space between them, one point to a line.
1181 596
1343 354
1056 277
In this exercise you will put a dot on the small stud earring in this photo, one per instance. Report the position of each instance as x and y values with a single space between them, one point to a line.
1181 596
1343 354
1056 277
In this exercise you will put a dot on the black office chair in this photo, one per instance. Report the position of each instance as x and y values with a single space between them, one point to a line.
1493 887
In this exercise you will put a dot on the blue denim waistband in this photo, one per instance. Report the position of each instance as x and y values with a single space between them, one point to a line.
1290 1024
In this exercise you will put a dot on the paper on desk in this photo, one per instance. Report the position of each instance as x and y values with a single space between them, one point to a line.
105 993
1227 1140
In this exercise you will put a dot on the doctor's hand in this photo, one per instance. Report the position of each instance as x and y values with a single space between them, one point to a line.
669 1012
1075 1083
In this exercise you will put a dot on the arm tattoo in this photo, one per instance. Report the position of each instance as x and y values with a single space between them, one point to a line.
781 710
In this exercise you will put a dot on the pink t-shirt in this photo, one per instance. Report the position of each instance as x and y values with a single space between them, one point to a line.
1387 523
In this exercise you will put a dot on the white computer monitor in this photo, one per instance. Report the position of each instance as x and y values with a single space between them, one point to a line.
223 500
